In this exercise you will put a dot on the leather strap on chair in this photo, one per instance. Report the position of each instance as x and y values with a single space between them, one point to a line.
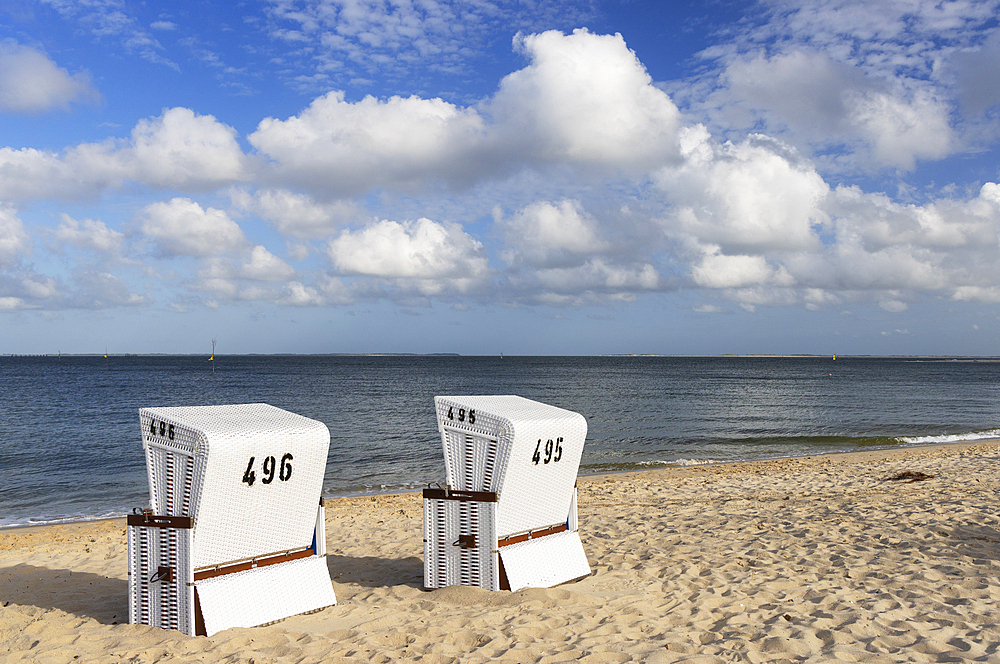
534 534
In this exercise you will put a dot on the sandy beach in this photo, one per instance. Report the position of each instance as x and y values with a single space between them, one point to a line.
816 559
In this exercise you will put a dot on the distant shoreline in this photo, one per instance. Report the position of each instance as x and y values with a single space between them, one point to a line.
926 358
110 355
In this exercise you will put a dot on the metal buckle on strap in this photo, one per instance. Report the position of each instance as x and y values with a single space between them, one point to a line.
165 574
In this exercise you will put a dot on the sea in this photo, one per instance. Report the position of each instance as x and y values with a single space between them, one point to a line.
71 450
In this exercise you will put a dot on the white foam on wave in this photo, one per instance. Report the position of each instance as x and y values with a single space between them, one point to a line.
951 437
678 462
695 462
15 522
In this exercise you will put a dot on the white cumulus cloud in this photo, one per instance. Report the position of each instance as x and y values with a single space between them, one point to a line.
545 233
14 240
353 147
585 98
83 171
32 83
755 195
256 274
599 275
182 149
868 88
178 149
822 104
265 266
720 271
295 214
90 234
900 130
422 249
181 227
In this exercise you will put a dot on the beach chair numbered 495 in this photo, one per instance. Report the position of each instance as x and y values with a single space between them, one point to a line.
507 518
234 535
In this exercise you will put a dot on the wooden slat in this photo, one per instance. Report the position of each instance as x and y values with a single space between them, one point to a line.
534 534
250 564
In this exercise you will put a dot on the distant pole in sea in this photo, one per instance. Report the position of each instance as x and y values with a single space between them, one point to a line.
212 359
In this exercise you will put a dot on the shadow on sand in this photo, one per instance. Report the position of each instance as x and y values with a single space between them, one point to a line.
81 593
374 572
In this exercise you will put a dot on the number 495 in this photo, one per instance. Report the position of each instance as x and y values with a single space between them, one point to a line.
553 451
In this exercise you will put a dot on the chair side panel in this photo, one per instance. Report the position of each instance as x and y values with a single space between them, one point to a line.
153 599
472 440
460 544
470 460
170 463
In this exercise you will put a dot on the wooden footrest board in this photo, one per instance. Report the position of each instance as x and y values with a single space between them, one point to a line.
265 594
546 561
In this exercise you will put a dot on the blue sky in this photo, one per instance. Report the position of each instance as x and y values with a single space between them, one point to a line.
487 176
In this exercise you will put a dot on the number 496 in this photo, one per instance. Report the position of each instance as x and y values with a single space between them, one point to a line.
553 451
268 468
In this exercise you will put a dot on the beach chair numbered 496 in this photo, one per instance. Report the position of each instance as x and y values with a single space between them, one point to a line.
507 518
234 535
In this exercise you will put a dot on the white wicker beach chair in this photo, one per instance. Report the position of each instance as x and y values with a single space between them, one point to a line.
507 518
235 534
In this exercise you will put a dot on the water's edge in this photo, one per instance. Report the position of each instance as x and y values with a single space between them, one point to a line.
994 440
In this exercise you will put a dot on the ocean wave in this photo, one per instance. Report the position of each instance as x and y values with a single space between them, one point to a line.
950 437
15 522
624 467
692 462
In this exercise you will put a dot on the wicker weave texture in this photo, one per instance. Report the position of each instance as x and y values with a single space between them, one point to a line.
532 451
161 603
470 460
250 475
265 594
546 561
450 558
171 467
